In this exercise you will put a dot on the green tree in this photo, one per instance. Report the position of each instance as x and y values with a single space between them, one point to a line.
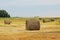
4 13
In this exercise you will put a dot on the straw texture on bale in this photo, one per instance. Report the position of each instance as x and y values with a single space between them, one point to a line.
46 20
52 19
7 21
40 18
32 24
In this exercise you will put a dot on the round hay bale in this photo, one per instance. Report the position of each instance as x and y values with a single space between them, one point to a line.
46 20
40 18
7 21
52 19
32 24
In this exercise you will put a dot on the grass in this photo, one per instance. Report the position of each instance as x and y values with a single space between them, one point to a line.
17 31
20 22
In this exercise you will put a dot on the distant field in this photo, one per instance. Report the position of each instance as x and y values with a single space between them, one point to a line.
17 31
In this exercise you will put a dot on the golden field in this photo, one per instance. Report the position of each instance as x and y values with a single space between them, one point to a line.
17 31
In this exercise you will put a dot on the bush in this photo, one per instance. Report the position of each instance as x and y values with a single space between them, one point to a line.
4 13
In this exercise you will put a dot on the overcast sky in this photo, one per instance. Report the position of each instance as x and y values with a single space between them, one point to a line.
28 8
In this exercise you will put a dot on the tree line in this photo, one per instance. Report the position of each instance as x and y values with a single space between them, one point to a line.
4 13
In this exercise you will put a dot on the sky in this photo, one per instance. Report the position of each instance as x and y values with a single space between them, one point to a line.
31 8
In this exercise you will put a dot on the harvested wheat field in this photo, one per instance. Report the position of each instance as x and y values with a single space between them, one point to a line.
17 30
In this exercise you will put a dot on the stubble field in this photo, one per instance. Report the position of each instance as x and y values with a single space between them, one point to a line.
17 30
